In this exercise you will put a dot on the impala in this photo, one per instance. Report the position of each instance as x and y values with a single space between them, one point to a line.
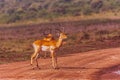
48 46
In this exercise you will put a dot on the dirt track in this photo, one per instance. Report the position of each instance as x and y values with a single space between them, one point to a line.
92 65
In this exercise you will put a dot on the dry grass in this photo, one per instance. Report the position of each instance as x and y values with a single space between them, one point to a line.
16 42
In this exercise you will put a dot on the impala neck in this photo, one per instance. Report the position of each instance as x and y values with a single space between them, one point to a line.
59 42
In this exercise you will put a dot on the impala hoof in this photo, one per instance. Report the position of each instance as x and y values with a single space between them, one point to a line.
34 68
56 68
39 68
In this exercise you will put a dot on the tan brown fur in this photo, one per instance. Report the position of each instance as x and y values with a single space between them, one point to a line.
49 46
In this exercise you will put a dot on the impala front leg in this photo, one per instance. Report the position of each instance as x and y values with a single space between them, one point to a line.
54 60
45 56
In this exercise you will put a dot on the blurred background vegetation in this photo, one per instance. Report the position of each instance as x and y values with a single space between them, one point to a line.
16 42
90 25
20 10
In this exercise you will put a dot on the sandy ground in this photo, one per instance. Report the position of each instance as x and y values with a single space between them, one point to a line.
93 65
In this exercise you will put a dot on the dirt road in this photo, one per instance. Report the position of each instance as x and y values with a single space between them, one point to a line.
93 65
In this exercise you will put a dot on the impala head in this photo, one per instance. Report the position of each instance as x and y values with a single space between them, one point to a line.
63 36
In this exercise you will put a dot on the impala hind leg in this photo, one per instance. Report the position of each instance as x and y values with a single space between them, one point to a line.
36 58
33 56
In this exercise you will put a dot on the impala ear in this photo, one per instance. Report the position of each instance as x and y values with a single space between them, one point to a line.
63 29
58 31
58 34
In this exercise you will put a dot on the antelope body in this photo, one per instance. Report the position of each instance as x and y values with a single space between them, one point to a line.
49 45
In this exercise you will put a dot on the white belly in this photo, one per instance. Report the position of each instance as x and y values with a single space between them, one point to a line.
47 48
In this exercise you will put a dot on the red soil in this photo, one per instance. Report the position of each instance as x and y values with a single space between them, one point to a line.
92 65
